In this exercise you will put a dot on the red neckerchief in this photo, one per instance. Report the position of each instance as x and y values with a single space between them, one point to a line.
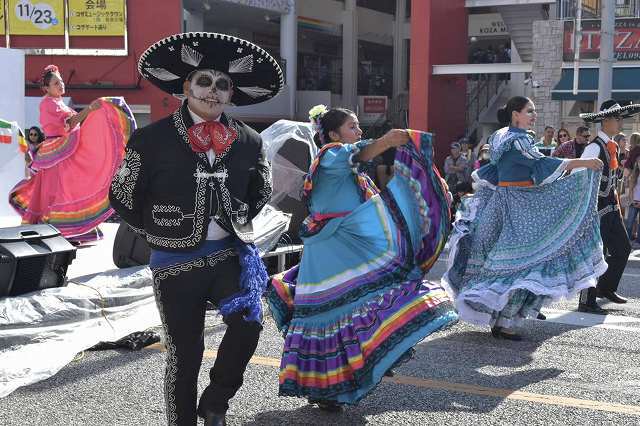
211 134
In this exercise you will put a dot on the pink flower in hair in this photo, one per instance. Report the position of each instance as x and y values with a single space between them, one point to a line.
51 68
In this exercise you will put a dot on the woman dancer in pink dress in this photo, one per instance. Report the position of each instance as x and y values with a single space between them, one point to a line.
75 163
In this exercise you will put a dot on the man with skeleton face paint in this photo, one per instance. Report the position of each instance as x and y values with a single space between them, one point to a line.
191 183
210 91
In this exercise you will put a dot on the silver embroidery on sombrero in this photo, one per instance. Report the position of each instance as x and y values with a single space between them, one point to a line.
240 65
190 56
162 74
263 54
255 91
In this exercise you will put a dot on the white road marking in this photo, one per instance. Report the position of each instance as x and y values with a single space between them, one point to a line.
581 319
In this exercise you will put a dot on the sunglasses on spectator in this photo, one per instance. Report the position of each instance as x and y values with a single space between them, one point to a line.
33 134
562 136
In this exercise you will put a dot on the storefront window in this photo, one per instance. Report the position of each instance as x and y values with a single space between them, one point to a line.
319 62
575 108
384 6
375 69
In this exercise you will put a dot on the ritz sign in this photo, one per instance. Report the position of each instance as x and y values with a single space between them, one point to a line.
626 43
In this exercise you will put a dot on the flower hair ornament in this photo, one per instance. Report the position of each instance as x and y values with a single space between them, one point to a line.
49 69
315 115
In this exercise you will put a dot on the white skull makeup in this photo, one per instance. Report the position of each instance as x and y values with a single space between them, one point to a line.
210 87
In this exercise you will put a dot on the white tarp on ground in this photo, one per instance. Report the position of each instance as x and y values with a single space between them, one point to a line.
268 227
42 332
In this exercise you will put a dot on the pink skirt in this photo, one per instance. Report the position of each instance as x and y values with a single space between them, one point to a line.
70 189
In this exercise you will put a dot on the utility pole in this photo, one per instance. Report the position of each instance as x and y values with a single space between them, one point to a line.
607 33
577 43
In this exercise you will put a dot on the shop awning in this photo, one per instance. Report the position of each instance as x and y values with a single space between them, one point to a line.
626 85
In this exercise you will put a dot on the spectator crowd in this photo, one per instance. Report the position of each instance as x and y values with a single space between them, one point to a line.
463 159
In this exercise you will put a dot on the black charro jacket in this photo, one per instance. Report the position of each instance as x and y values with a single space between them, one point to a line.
169 193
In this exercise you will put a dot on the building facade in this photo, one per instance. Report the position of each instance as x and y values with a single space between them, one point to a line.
98 65
351 52
554 59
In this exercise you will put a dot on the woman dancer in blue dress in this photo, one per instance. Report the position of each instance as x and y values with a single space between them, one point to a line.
358 301
530 234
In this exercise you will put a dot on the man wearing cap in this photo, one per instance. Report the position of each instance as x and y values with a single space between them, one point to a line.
614 236
456 167
191 183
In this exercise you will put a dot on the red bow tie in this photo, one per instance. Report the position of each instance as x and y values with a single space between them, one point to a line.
211 134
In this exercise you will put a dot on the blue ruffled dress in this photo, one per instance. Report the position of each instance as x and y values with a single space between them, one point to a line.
358 301
528 236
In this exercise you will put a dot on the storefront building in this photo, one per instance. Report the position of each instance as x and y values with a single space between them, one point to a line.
96 44
554 67
351 52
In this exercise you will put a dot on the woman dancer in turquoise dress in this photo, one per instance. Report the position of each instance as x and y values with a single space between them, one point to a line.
358 302
529 235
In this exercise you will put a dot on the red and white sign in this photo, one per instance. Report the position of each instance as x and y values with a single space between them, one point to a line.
626 43
374 104
372 108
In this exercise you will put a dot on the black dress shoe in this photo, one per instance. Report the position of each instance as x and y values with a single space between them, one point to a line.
500 333
215 419
541 316
612 296
591 309
327 405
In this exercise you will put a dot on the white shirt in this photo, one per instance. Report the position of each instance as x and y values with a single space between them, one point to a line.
214 231
592 150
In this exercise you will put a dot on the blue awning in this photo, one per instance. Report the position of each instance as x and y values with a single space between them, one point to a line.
626 85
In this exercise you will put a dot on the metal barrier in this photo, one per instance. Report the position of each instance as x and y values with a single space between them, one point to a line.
281 252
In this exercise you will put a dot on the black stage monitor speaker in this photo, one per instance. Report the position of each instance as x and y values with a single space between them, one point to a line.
129 248
33 257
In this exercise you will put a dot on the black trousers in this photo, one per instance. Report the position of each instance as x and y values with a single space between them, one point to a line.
617 249
181 294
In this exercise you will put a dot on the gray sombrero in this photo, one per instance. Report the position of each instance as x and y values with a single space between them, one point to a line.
256 76
611 108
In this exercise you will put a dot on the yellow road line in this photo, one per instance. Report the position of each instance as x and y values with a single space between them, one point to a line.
471 389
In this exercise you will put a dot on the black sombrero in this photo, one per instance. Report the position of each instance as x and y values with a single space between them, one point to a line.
611 108
256 76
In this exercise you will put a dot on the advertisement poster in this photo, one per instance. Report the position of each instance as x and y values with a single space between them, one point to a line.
96 17
36 17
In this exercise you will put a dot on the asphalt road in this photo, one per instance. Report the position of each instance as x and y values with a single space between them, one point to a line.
574 369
